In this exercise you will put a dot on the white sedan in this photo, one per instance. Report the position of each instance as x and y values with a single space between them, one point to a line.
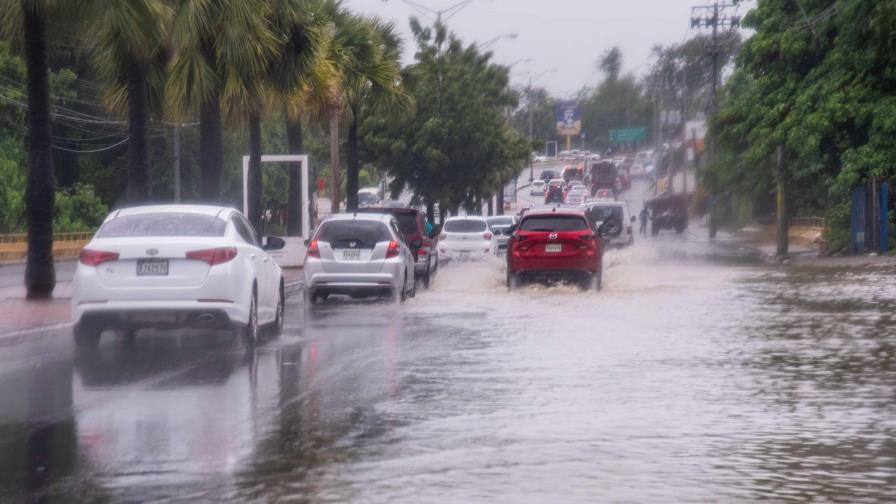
174 266
465 239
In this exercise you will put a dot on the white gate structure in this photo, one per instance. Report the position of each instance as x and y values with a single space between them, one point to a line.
293 254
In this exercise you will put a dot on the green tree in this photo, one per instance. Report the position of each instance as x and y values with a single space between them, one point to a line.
455 144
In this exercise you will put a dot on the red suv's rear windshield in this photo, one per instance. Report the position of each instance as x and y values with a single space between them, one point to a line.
408 225
553 223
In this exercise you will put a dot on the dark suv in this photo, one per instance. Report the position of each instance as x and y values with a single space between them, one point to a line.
412 223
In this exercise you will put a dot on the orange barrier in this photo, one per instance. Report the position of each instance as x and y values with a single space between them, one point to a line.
14 247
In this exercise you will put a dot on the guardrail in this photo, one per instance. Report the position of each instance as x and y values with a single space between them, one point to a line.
14 247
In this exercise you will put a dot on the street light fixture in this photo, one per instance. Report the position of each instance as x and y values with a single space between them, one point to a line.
488 43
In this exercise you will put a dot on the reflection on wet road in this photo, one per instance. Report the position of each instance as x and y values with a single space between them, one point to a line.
692 377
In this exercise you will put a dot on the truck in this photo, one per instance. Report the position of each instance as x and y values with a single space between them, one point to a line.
603 176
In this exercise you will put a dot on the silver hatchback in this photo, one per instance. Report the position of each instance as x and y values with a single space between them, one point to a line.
359 255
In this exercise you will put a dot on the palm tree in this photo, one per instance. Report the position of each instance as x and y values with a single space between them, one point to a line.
25 22
368 59
220 47
130 36
304 80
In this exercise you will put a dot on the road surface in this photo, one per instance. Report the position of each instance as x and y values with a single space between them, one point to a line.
697 375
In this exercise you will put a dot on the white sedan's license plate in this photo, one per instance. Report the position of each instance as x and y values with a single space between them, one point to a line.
553 248
152 267
351 255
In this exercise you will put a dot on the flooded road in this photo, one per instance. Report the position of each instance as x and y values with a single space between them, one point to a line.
697 375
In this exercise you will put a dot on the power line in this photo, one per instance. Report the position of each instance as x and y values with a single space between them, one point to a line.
110 147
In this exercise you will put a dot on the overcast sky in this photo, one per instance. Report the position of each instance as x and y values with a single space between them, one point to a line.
567 35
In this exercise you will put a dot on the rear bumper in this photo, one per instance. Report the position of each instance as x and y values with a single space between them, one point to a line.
347 283
162 314
553 275
447 255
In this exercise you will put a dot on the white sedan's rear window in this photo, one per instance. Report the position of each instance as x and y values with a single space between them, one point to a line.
162 224
465 226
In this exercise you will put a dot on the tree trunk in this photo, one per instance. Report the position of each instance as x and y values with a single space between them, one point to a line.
211 146
211 151
137 191
294 145
499 200
40 275
353 168
491 206
334 163
783 212
430 212
254 179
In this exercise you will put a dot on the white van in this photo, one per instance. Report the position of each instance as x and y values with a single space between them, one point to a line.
368 197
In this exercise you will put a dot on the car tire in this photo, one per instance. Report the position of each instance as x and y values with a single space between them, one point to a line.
597 281
513 281
87 335
403 292
427 277
311 297
276 328
249 332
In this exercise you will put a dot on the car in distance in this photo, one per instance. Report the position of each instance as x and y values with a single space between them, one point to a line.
176 266
604 195
555 245
412 223
576 196
359 255
613 221
548 175
465 239
368 196
555 193
500 226
537 188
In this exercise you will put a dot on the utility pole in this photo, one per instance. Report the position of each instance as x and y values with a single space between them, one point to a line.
529 106
713 16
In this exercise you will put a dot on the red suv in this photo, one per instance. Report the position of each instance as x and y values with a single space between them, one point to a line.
555 245
412 223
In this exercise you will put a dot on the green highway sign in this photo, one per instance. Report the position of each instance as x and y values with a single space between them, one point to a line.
628 135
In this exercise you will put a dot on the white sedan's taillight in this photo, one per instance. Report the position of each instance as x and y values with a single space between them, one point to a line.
96 257
487 235
213 256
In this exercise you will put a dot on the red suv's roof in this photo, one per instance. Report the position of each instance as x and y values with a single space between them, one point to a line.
554 211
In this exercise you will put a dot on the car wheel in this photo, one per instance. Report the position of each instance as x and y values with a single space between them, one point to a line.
403 291
249 332
310 297
597 281
87 335
413 292
512 281
277 326
427 277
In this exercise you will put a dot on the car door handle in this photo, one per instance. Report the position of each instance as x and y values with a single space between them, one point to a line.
265 259
251 256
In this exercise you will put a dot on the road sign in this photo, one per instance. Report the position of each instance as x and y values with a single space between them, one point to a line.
628 135
569 118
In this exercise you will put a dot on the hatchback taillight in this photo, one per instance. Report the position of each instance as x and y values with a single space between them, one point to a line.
89 257
487 235
393 249
313 249
213 256
443 236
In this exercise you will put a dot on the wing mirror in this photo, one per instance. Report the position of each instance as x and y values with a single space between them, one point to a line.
273 243
511 230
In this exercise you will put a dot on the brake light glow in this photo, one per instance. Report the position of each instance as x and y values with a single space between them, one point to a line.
393 249
89 257
313 249
213 256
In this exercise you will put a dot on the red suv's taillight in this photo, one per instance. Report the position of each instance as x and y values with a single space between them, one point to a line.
424 249
96 257
213 256
393 249
313 249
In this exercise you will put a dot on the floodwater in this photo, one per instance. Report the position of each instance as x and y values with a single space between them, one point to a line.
697 375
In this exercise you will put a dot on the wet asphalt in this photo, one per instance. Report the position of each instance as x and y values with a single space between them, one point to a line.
699 374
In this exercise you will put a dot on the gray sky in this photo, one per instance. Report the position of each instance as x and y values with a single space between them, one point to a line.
568 35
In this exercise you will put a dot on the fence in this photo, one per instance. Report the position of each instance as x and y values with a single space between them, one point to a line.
810 222
14 247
